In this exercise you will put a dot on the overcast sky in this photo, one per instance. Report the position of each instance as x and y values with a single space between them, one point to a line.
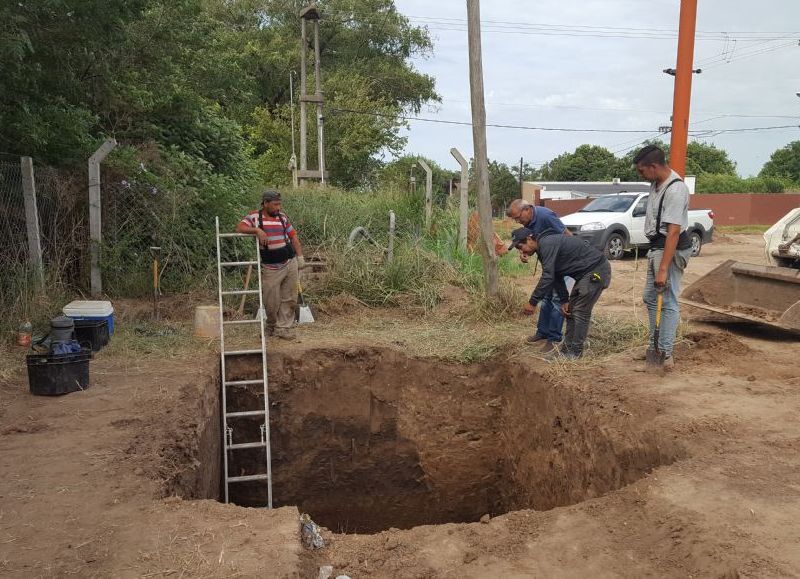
574 81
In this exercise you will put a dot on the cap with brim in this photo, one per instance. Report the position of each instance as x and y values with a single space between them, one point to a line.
270 195
519 235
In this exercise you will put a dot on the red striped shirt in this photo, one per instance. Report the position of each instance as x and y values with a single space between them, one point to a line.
274 228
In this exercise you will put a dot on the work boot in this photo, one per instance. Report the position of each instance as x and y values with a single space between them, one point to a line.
548 347
669 364
561 355
535 338
284 334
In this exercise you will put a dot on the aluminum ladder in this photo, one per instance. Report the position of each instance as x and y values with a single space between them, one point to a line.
263 413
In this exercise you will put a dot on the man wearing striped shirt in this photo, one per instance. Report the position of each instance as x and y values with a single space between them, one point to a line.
281 258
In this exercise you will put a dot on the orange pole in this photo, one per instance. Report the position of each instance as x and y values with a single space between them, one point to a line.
683 87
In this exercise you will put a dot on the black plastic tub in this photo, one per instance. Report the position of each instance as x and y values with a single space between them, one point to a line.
56 374
92 333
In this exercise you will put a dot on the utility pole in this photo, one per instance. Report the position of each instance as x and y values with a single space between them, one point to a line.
683 87
479 143
311 13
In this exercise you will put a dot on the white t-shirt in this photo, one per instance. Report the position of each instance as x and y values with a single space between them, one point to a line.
676 205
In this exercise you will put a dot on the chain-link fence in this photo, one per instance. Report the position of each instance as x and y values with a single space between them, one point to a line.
12 214
61 223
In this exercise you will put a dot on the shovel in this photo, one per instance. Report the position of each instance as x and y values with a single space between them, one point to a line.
304 315
654 356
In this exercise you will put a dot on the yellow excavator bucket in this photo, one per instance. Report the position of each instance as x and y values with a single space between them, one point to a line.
757 293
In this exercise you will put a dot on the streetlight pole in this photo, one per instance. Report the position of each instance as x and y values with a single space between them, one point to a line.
683 87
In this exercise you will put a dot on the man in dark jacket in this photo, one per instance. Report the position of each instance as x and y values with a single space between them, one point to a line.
560 256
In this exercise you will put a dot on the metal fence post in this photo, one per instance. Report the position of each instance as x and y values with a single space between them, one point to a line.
32 216
95 213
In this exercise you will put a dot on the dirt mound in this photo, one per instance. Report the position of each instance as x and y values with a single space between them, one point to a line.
714 346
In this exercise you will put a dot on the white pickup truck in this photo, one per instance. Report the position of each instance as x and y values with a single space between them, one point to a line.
615 224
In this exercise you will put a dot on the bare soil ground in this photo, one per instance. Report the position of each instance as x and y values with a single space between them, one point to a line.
115 481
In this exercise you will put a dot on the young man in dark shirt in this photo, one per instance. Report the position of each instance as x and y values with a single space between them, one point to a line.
560 256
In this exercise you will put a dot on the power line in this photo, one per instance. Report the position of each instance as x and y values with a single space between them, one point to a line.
621 109
549 29
494 125
553 129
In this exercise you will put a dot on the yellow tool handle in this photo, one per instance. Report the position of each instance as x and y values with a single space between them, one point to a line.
658 309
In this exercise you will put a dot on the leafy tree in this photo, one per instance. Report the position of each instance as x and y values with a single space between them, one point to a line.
705 158
586 163
209 77
503 184
785 162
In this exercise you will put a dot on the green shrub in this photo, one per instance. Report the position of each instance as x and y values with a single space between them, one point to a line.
717 183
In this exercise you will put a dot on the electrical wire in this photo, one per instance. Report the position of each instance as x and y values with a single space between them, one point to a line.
552 129
493 125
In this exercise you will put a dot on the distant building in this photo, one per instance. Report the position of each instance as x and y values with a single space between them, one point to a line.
533 191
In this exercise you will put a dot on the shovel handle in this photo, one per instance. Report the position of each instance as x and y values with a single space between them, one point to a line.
659 304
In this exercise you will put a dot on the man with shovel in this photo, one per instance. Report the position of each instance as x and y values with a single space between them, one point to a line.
281 258
665 226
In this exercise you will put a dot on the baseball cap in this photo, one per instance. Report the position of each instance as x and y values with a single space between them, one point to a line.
519 235
270 195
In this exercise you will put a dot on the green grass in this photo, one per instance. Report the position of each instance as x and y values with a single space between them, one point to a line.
747 229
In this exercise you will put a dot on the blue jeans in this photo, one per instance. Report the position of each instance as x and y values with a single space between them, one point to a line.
670 309
550 321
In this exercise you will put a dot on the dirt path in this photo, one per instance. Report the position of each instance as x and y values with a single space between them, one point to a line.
83 476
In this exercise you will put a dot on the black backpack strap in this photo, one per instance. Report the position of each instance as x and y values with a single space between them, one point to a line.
661 204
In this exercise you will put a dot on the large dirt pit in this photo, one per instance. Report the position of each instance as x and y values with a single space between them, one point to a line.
369 439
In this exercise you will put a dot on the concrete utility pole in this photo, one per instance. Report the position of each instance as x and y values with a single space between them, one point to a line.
428 192
479 141
95 214
683 87
463 207
32 217
311 13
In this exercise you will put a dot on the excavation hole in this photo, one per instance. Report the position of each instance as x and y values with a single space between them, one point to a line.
366 440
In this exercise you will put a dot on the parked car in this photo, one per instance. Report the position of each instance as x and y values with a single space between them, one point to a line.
615 224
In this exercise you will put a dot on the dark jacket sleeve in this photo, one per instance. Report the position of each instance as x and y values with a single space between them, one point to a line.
548 252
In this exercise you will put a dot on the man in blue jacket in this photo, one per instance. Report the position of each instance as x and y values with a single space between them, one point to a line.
539 219
561 256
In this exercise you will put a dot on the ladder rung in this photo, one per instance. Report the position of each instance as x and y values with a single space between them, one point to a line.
245 445
234 322
236 235
248 477
239 292
241 352
242 382
235 263
245 413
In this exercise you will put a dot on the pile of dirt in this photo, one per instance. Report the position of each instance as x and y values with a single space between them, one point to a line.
713 346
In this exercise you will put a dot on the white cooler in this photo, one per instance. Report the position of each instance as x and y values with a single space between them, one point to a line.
91 310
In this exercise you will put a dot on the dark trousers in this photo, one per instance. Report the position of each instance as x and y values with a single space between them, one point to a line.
551 321
584 296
